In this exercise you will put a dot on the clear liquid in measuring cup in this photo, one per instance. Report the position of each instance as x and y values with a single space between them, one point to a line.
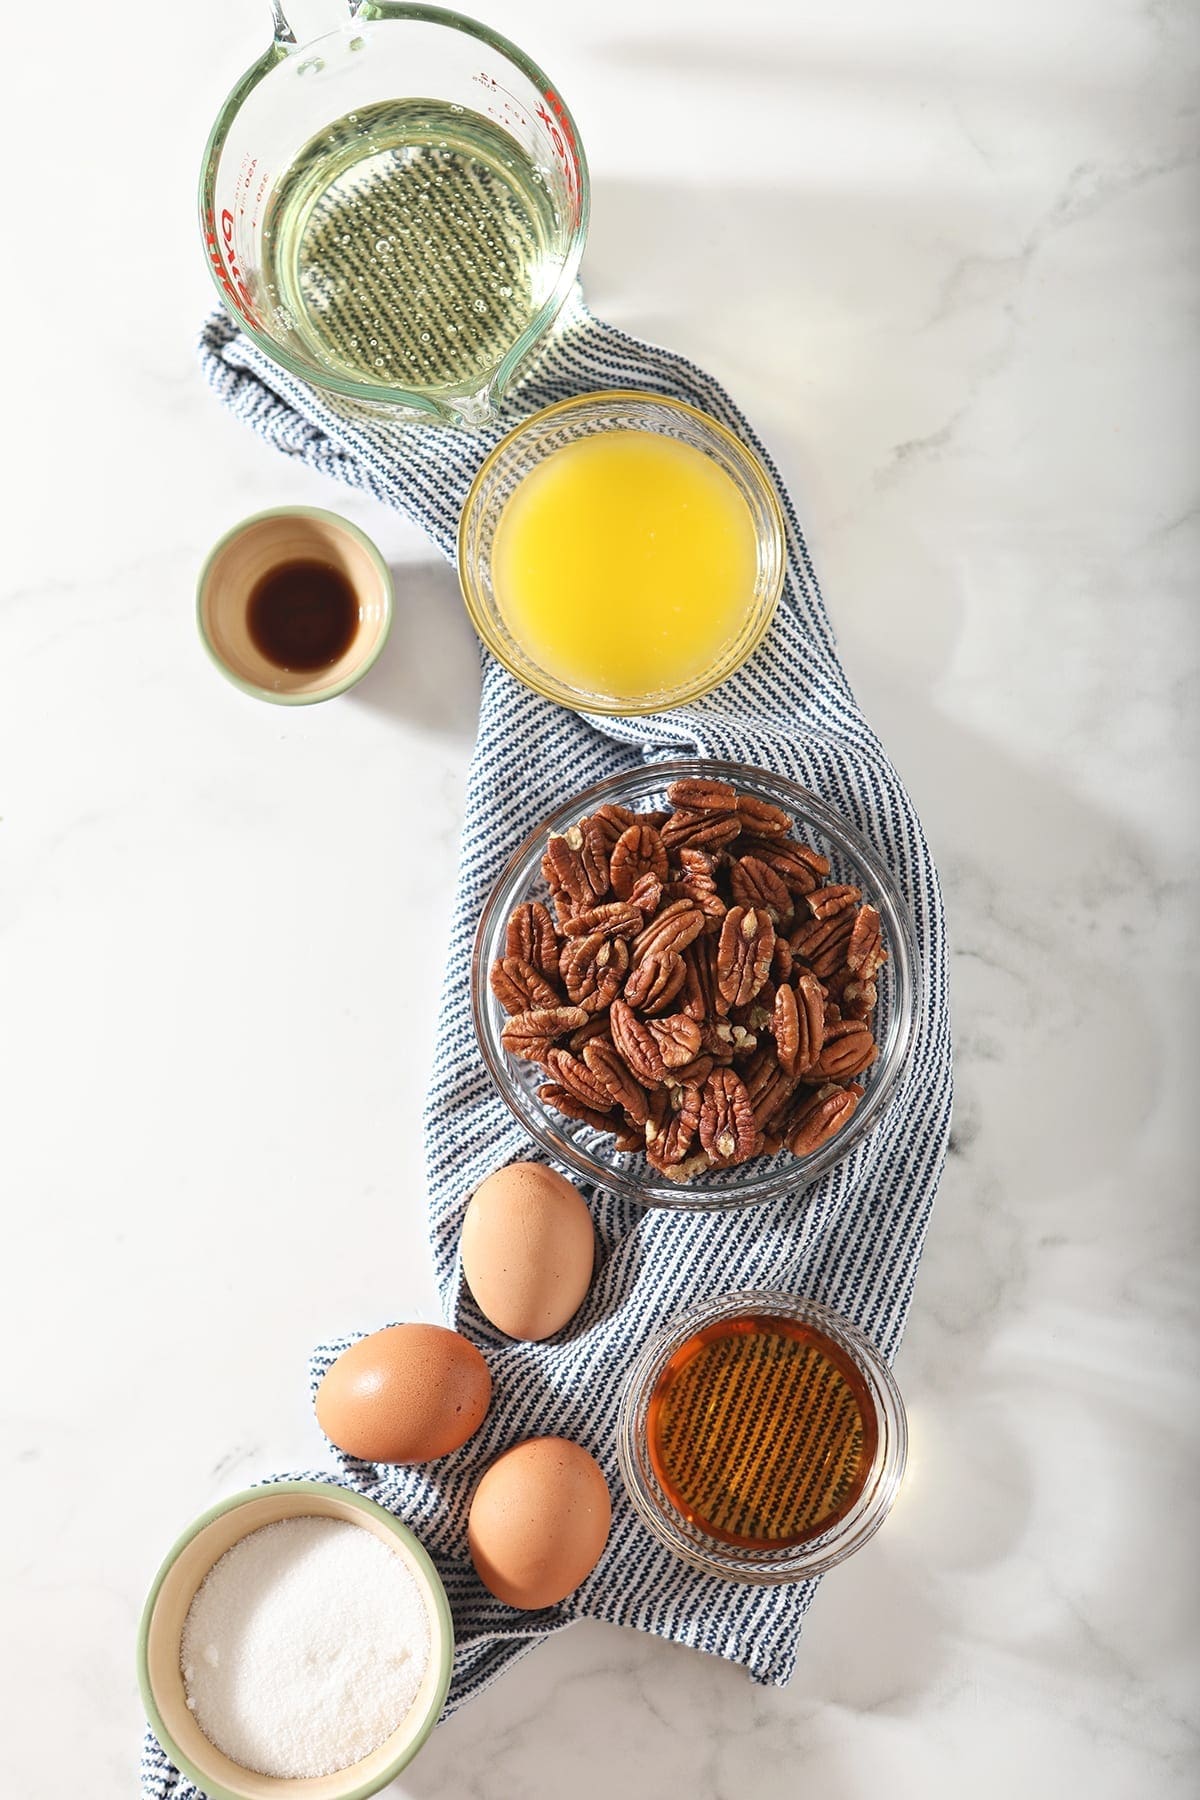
409 245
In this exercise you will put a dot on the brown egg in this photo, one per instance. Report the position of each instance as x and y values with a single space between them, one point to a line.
405 1394
527 1250
539 1522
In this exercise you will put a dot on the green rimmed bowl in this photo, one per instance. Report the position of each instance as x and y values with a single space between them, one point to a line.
189 1561
270 540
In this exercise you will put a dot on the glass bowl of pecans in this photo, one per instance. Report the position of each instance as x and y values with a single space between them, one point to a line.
694 985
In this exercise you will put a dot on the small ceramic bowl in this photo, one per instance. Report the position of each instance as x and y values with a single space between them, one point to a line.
267 541
593 1154
161 1680
569 420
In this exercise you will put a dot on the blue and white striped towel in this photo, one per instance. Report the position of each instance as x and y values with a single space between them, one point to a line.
856 1241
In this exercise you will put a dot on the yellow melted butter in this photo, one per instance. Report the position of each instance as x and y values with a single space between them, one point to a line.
625 563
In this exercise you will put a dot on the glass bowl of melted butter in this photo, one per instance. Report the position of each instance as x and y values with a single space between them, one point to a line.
593 1148
761 1437
621 552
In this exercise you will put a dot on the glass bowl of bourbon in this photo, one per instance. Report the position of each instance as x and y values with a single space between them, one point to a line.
761 1437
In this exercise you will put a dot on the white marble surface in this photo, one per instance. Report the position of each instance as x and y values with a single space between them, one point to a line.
945 257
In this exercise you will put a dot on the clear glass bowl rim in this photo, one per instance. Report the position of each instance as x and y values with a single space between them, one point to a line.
783 1174
754 478
690 1543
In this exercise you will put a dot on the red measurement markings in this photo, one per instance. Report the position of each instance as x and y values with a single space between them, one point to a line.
558 126
563 138
223 257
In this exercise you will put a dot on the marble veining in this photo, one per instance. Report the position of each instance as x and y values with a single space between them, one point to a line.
945 259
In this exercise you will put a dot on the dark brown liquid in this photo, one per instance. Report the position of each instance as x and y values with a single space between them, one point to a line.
302 615
762 1432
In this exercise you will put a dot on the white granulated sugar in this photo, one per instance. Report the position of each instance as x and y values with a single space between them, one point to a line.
304 1647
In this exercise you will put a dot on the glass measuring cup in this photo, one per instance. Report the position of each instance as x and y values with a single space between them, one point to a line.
394 203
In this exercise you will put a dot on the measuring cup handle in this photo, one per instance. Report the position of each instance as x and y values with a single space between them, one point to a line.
298 22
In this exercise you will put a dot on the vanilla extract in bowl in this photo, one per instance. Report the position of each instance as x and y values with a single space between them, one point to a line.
294 605
303 615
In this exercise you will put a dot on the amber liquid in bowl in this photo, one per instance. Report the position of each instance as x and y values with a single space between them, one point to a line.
762 1432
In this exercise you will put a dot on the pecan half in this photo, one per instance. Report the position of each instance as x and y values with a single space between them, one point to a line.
711 829
638 851
596 1027
826 902
563 1101
768 1086
693 1003
697 794
798 867
518 986
593 968
810 1020
646 894
598 839
529 1034
772 1100
566 872
761 1068
617 819
532 937
865 954
785 1029
578 1080
760 817
744 953
700 892
620 1086
822 943
782 960
814 1121
634 1044
702 955
849 1048
676 926
668 1145
754 882
616 918
727 1128
694 1073
677 1037
655 983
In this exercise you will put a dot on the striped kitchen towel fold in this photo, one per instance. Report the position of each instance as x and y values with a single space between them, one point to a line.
856 1239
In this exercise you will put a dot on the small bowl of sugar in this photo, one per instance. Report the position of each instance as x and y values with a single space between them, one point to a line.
297 1641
